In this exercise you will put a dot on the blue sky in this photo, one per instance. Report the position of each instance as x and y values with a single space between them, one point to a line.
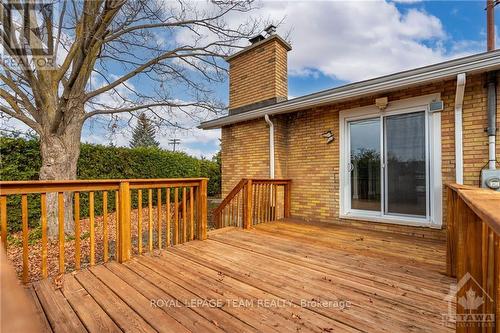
334 43
443 30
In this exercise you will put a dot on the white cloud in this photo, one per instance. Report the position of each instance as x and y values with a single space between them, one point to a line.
352 40
355 40
348 40
407 1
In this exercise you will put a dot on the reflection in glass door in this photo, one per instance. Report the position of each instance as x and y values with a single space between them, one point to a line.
405 156
388 165
364 138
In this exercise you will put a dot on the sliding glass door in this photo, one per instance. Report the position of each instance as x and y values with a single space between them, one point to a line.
388 165
405 161
365 164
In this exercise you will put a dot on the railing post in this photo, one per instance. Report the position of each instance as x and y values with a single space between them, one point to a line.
287 200
451 232
124 250
201 199
469 254
248 205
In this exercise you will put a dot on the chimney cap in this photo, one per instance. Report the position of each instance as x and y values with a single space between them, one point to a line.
262 41
256 39
270 30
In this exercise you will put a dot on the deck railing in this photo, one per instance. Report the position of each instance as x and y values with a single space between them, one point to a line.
473 253
179 215
254 201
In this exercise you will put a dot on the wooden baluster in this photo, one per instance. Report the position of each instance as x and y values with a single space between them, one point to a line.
24 213
92 228
287 201
191 212
275 202
176 216
43 209
237 212
139 221
202 210
224 217
233 215
3 221
265 205
167 209
158 206
230 213
76 202
271 202
255 202
282 208
233 211
222 221
266 202
225 221
105 236
60 221
233 204
150 224
238 221
184 215
117 224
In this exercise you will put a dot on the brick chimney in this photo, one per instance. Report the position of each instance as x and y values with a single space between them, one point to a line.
258 73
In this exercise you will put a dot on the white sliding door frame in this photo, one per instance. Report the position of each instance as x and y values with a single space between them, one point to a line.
433 216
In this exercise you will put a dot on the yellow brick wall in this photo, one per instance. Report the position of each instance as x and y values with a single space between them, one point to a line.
244 153
313 166
258 75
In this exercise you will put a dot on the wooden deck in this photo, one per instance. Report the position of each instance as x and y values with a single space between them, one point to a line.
277 277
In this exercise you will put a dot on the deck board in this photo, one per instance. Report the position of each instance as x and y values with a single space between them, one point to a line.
268 279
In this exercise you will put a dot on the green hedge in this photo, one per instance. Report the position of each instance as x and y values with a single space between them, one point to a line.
20 160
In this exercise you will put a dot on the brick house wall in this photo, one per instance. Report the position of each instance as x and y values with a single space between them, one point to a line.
302 154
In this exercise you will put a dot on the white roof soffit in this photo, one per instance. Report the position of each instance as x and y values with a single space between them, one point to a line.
446 70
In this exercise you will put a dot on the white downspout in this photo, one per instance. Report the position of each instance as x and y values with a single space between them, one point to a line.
271 146
459 155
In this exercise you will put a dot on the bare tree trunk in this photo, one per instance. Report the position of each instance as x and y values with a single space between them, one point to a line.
60 154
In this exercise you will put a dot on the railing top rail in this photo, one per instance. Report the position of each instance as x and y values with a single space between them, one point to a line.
41 186
230 196
485 203
270 181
